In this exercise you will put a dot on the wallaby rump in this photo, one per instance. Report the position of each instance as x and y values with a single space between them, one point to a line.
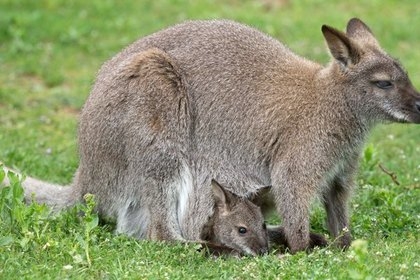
218 99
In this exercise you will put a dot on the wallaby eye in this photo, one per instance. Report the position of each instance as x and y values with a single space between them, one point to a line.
242 230
264 226
383 84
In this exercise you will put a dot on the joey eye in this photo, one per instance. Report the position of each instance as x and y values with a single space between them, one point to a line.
242 230
264 226
383 84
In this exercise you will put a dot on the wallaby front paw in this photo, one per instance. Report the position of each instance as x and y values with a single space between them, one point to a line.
215 251
317 240
344 241
277 237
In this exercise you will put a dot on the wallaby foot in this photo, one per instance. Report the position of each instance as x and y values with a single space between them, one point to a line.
277 237
160 232
317 240
343 241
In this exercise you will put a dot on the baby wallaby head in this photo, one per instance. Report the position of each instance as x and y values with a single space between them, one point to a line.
237 223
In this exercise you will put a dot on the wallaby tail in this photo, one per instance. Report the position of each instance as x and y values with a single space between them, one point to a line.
55 196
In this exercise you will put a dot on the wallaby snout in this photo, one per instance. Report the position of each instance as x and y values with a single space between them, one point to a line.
418 105
402 104
406 108
415 115
402 101
416 109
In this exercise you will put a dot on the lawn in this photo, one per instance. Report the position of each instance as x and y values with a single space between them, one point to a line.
50 52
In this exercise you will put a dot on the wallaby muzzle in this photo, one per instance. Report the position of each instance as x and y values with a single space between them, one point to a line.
415 117
418 105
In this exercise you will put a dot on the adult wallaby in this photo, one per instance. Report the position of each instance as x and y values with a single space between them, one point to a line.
218 99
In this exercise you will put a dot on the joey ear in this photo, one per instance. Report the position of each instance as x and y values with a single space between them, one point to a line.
358 30
341 46
221 196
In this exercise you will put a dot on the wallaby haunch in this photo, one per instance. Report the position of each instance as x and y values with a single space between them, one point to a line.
236 226
218 99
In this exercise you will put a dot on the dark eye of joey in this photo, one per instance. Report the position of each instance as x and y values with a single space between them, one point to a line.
264 226
384 84
242 230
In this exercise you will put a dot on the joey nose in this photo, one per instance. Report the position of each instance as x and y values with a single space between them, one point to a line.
264 251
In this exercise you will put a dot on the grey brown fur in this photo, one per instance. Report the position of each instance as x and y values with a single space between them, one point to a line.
218 99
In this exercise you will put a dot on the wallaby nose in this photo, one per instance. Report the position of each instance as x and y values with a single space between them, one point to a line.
264 251
418 105
264 248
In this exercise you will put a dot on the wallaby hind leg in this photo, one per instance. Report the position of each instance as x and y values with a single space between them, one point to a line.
336 204
158 127
152 214
159 230
165 216
133 219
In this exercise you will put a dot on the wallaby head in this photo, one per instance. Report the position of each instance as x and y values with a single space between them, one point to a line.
237 223
378 84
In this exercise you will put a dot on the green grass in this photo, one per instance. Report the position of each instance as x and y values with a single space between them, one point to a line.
49 54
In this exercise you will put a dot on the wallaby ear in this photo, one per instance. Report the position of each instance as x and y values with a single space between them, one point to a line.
221 196
358 30
341 46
